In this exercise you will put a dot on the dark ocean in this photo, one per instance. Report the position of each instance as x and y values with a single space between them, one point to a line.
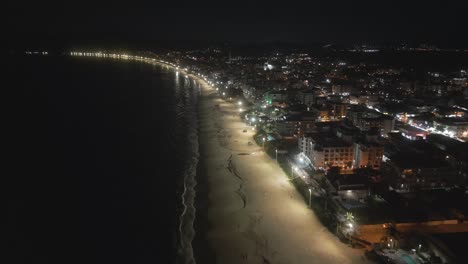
103 156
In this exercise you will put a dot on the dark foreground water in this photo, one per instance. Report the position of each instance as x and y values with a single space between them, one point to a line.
103 156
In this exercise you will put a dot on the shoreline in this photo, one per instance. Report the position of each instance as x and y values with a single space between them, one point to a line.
247 210
202 251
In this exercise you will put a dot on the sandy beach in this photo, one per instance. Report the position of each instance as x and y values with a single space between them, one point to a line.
254 214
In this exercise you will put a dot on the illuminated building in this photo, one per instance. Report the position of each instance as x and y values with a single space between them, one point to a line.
368 154
326 151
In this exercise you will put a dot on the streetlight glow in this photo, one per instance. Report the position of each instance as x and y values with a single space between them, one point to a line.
293 169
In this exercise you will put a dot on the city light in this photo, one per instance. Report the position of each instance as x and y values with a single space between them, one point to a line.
353 135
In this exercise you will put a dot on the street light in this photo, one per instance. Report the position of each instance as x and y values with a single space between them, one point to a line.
293 168
310 197
239 103
263 143
252 120
276 151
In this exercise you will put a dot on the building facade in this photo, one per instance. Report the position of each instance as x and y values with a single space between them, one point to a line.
368 155
327 151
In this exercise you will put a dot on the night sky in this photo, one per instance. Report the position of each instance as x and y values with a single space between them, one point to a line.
166 23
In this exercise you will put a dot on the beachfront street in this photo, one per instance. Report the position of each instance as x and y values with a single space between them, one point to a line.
256 215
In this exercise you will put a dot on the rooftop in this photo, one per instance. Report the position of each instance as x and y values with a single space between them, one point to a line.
324 140
412 160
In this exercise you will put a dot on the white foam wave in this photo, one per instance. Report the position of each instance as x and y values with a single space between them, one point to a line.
187 217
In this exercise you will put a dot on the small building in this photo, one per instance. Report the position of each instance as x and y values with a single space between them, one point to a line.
297 124
406 171
383 124
339 110
364 99
326 150
349 187
306 97
368 154
342 88
275 96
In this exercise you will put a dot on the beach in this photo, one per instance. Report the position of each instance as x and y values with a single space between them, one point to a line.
253 213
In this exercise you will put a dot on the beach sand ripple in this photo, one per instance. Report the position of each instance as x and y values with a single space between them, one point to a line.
255 214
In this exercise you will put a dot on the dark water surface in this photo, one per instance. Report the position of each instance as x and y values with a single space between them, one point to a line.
102 151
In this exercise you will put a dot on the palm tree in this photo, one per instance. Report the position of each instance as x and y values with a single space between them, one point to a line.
349 217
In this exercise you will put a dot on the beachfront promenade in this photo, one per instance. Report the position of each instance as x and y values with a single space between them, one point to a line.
255 214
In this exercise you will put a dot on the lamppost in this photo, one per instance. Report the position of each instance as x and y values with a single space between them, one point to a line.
276 151
293 168
263 143
310 197
252 120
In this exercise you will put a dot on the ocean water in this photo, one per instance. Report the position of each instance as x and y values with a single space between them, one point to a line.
103 158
